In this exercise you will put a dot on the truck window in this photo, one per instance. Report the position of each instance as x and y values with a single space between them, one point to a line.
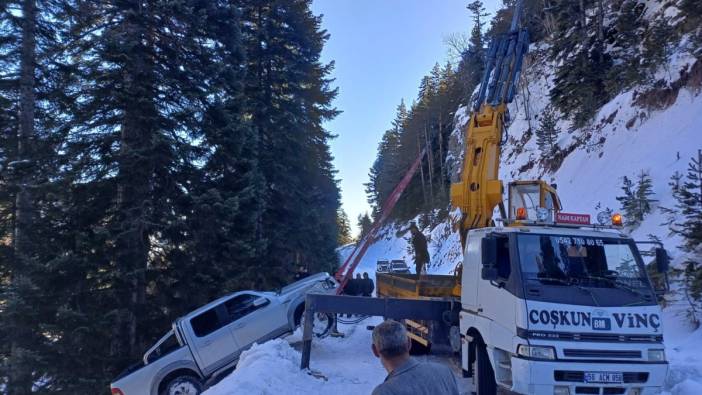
206 323
240 306
589 261
503 262
168 346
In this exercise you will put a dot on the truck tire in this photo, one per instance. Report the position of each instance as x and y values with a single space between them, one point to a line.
183 385
418 348
484 375
323 323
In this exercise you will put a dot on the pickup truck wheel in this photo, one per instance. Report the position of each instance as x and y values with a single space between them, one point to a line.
183 385
484 377
322 324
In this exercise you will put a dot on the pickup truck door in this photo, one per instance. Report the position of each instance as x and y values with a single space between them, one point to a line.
212 342
256 317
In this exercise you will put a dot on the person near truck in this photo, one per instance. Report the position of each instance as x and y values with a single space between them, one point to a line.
419 245
406 375
368 285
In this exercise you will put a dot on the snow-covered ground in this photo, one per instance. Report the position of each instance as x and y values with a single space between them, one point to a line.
341 366
684 351
347 366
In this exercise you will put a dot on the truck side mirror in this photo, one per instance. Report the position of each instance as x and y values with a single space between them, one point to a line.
488 250
662 260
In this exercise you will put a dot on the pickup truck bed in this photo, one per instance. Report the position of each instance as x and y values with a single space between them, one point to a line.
407 286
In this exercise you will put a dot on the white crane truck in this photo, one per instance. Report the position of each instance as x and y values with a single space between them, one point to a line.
554 310
545 303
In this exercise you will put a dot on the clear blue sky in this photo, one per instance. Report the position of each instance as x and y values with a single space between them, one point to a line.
382 48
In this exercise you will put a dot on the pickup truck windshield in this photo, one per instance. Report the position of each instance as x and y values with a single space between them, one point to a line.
583 261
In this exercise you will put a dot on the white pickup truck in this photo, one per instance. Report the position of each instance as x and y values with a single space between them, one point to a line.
206 343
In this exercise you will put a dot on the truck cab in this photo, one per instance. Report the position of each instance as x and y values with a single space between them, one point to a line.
559 310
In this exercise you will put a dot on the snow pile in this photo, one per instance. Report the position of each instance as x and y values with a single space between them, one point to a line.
269 368
342 366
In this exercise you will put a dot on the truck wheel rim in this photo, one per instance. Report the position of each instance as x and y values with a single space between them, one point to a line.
320 324
183 388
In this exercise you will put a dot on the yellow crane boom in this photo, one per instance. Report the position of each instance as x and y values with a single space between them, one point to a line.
480 190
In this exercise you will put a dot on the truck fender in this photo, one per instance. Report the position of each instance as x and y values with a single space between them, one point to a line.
167 370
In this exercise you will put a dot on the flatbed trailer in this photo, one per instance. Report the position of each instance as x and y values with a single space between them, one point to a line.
446 288
399 285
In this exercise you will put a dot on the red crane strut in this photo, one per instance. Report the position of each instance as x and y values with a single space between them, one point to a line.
342 275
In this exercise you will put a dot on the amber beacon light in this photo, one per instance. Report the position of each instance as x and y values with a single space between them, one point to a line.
617 219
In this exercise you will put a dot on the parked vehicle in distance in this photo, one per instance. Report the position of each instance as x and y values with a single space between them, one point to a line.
399 266
206 343
382 266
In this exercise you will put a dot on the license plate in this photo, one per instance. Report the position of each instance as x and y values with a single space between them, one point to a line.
603 377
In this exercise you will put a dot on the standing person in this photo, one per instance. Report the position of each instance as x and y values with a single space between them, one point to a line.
419 245
368 286
301 273
407 376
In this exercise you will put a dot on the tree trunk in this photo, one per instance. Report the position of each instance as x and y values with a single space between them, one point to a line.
549 21
421 169
135 183
20 373
430 161
600 20
442 173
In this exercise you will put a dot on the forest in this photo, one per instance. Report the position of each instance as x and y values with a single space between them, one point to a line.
154 155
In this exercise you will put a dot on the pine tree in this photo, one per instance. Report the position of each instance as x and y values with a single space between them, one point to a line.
636 200
657 45
689 204
29 97
547 133
685 219
364 225
387 168
628 29
344 228
158 128
644 191
671 214
628 201
474 59
288 93
580 86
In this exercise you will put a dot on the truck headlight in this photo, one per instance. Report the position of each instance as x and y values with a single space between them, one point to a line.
656 355
537 352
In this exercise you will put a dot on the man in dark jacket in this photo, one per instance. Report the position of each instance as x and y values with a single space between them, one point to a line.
368 285
419 245
407 376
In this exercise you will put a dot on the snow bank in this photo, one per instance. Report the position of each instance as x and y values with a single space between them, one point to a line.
269 368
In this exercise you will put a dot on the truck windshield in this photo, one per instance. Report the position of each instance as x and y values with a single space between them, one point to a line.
584 261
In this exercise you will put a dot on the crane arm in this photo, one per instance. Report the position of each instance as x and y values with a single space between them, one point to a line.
480 190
